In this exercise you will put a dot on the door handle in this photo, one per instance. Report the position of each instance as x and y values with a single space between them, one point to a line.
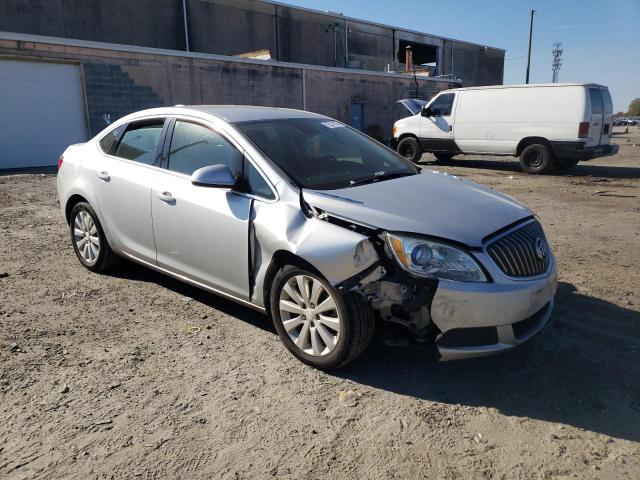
166 197
104 176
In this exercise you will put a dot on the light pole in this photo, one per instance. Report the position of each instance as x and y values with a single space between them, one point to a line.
530 35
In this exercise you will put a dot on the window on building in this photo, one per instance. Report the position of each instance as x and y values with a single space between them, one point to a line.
140 142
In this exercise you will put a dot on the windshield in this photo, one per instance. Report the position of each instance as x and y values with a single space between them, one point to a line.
324 154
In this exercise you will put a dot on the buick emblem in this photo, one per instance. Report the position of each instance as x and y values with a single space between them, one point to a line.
541 248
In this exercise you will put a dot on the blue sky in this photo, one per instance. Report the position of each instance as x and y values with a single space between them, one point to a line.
601 38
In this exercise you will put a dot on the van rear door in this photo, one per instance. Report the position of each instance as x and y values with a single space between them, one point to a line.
607 120
599 119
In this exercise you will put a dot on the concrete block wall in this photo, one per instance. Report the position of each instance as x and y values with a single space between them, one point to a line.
231 27
147 23
118 82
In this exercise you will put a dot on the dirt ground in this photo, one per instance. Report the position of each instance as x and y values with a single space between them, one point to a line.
135 375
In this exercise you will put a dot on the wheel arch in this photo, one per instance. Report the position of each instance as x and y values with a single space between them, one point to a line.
279 260
72 202
525 142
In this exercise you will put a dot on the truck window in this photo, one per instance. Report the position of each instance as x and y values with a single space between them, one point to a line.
596 101
442 104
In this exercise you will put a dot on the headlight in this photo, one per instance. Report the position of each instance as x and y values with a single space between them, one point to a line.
427 258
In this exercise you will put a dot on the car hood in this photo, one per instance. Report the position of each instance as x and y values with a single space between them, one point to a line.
431 203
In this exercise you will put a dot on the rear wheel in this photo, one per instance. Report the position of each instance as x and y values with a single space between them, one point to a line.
536 158
410 149
88 239
317 324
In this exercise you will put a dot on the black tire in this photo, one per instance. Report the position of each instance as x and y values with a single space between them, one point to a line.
443 157
410 149
537 159
566 163
357 322
106 259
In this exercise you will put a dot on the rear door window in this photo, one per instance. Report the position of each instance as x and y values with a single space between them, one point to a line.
442 104
110 140
140 142
596 101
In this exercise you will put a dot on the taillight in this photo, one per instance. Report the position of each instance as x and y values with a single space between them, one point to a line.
60 160
583 130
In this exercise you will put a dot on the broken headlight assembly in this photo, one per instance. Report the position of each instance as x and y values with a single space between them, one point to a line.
427 258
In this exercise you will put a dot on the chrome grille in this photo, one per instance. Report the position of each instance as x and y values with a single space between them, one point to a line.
519 253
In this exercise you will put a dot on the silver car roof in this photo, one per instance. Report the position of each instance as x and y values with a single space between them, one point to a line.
245 113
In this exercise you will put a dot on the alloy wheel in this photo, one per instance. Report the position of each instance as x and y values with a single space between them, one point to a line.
86 238
309 315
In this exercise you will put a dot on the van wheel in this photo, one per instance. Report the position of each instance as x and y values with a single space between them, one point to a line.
319 325
443 157
536 158
566 163
410 149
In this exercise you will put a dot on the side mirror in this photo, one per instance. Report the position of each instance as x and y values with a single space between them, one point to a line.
426 112
214 176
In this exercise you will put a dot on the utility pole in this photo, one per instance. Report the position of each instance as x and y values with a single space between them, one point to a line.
556 63
530 35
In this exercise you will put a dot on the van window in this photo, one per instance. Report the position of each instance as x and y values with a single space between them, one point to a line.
140 142
442 104
606 99
596 101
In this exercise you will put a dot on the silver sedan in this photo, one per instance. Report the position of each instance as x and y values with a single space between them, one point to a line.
306 219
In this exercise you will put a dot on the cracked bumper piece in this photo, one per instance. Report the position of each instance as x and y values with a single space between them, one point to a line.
484 319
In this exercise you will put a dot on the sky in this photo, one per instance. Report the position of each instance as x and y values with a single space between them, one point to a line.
601 38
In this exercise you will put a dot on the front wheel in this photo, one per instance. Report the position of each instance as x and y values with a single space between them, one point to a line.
536 158
410 149
317 324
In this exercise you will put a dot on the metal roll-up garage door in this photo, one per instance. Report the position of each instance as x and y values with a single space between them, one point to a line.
41 112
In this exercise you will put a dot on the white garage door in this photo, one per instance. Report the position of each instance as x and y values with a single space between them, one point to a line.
41 112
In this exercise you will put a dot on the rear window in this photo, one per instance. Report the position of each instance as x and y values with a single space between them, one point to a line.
596 101
606 99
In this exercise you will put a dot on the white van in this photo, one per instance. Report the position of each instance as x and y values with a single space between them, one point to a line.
549 126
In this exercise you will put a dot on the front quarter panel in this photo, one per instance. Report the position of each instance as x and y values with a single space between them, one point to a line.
281 226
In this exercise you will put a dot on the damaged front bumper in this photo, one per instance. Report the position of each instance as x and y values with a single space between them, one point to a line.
478 319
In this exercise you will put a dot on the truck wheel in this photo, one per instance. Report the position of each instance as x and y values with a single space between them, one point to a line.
410 149
443 157
566 163
319 325
536 158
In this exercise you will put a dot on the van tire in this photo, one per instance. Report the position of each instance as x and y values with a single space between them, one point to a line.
443 157
410 149
537 159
